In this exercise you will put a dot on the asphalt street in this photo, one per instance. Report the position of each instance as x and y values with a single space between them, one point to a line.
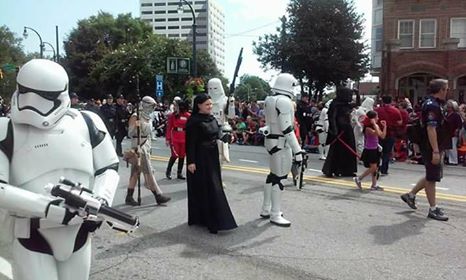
337 231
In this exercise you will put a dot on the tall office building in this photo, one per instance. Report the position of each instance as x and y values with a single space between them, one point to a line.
165 20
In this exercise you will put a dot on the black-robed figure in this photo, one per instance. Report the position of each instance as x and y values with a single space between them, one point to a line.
340 160
207 203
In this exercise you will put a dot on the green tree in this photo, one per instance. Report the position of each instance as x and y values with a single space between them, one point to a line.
251 88
320 43
11 56
119 70
94 38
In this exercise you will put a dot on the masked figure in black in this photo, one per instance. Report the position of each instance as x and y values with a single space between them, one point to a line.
341 160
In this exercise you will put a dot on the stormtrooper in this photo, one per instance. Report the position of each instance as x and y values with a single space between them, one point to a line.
357 118
322 130
281 144
220 100
44 140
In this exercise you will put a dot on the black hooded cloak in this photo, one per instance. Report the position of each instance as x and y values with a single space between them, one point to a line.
340 160
207 203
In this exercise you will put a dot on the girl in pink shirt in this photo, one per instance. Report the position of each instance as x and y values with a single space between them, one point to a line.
371 154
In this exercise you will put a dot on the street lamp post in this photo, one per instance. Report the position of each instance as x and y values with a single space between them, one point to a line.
180 11
25 35
53 49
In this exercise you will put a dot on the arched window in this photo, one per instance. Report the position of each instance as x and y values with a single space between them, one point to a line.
415 86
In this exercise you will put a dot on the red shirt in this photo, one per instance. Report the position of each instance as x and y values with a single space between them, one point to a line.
405 118
391 115
176 127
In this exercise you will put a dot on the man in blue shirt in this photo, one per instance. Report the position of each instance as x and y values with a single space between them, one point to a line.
432 119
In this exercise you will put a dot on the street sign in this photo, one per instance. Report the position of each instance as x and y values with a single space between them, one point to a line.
178 65
8 67
159 86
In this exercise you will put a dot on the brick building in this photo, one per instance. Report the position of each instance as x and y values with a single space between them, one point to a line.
422 40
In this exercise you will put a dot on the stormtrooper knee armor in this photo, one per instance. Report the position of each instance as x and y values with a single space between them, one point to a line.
43 141
281 144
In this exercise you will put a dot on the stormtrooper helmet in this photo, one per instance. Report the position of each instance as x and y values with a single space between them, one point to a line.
175 104
215 89
148 105
285 84
176 100
41 98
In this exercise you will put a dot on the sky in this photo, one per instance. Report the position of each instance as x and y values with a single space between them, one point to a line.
245 21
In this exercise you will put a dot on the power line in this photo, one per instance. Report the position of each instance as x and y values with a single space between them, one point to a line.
250 30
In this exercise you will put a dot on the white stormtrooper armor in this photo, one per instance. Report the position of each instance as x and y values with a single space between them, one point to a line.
174 105
322 129
219 104
281 143
356 119
43 141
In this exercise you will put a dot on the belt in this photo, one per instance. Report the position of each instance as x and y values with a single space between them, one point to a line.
208 143
179 129
273 136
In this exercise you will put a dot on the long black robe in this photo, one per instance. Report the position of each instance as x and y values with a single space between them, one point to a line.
340 160
207 203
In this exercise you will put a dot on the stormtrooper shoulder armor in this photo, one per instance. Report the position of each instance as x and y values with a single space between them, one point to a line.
6 137
284 105
104 154
94 124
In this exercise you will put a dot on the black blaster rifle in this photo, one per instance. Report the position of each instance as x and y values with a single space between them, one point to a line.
80 200
297 171
238 64
138 130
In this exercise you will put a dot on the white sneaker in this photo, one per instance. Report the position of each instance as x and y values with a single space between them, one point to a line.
357 181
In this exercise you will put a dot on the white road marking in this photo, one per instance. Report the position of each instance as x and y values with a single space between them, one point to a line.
248 160
315 170
5 268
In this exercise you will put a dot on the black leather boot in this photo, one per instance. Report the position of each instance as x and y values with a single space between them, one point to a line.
129 200
160 198
171 161
180 169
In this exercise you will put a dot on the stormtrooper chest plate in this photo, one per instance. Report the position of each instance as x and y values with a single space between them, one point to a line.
42 156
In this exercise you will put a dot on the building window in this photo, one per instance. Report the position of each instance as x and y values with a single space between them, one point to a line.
159 28
186 19
159 20
406 33
146 12
378 39
159 4
173 11
159 12
199 2
173 19
378 17
174 27
427 33
458 30
201 10
146 5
